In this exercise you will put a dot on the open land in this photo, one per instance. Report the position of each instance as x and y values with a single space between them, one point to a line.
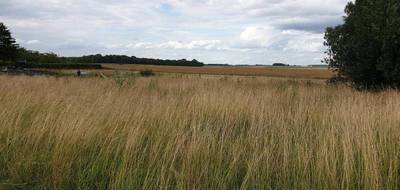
195 131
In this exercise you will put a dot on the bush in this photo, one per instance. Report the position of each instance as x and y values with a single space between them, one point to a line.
280 65
365 50
2 63
147 73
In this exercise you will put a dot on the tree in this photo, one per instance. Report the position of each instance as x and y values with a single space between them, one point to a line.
280 65
365 49
8 46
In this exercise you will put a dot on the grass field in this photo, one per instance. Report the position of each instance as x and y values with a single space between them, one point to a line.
195 132
285 72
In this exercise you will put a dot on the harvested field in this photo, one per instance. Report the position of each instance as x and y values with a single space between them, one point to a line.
290 72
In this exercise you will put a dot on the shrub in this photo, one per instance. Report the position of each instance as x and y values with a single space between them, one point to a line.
3 63
280 65
147 73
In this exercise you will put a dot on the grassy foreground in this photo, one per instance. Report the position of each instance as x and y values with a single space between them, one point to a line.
195 133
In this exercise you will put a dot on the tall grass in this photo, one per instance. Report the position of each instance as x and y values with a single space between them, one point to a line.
196 133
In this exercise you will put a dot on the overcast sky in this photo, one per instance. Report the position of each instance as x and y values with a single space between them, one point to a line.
212 31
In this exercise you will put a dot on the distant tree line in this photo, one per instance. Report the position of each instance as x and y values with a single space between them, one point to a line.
30 56
36 57
123 59
280 65
218 64
10 52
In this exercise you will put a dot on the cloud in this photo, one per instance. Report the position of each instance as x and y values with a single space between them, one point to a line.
258 37
232 31
198 44
32 42
302 41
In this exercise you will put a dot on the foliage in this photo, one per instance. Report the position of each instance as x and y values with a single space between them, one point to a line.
147 73
365 49
123 59
31 56
8 46
37 57
280 65
5 63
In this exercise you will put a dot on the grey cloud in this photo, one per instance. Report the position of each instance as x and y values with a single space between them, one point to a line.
318 24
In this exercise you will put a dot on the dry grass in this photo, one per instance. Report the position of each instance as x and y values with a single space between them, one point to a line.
195 133
290 72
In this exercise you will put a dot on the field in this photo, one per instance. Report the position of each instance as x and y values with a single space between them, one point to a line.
196 132
285 72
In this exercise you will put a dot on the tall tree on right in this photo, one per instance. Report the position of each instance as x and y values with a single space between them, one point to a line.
8 46
365 49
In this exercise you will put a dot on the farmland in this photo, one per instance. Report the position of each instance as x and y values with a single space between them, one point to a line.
286 72
178 131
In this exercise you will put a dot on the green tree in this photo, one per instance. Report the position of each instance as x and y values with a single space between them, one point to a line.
365 49
8 46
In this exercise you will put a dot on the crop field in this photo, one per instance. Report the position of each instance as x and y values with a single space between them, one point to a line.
286 72
195 132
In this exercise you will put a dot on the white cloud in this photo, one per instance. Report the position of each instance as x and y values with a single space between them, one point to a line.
303 41
32 42
145 45
258 37
198 44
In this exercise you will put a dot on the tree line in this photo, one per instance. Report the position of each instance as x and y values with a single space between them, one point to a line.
37 57
10 52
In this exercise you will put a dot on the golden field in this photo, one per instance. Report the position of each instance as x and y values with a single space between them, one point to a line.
195 132
285 72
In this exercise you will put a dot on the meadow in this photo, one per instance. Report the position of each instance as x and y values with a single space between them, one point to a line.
196 132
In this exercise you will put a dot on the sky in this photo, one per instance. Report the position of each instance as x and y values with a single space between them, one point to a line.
212 31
